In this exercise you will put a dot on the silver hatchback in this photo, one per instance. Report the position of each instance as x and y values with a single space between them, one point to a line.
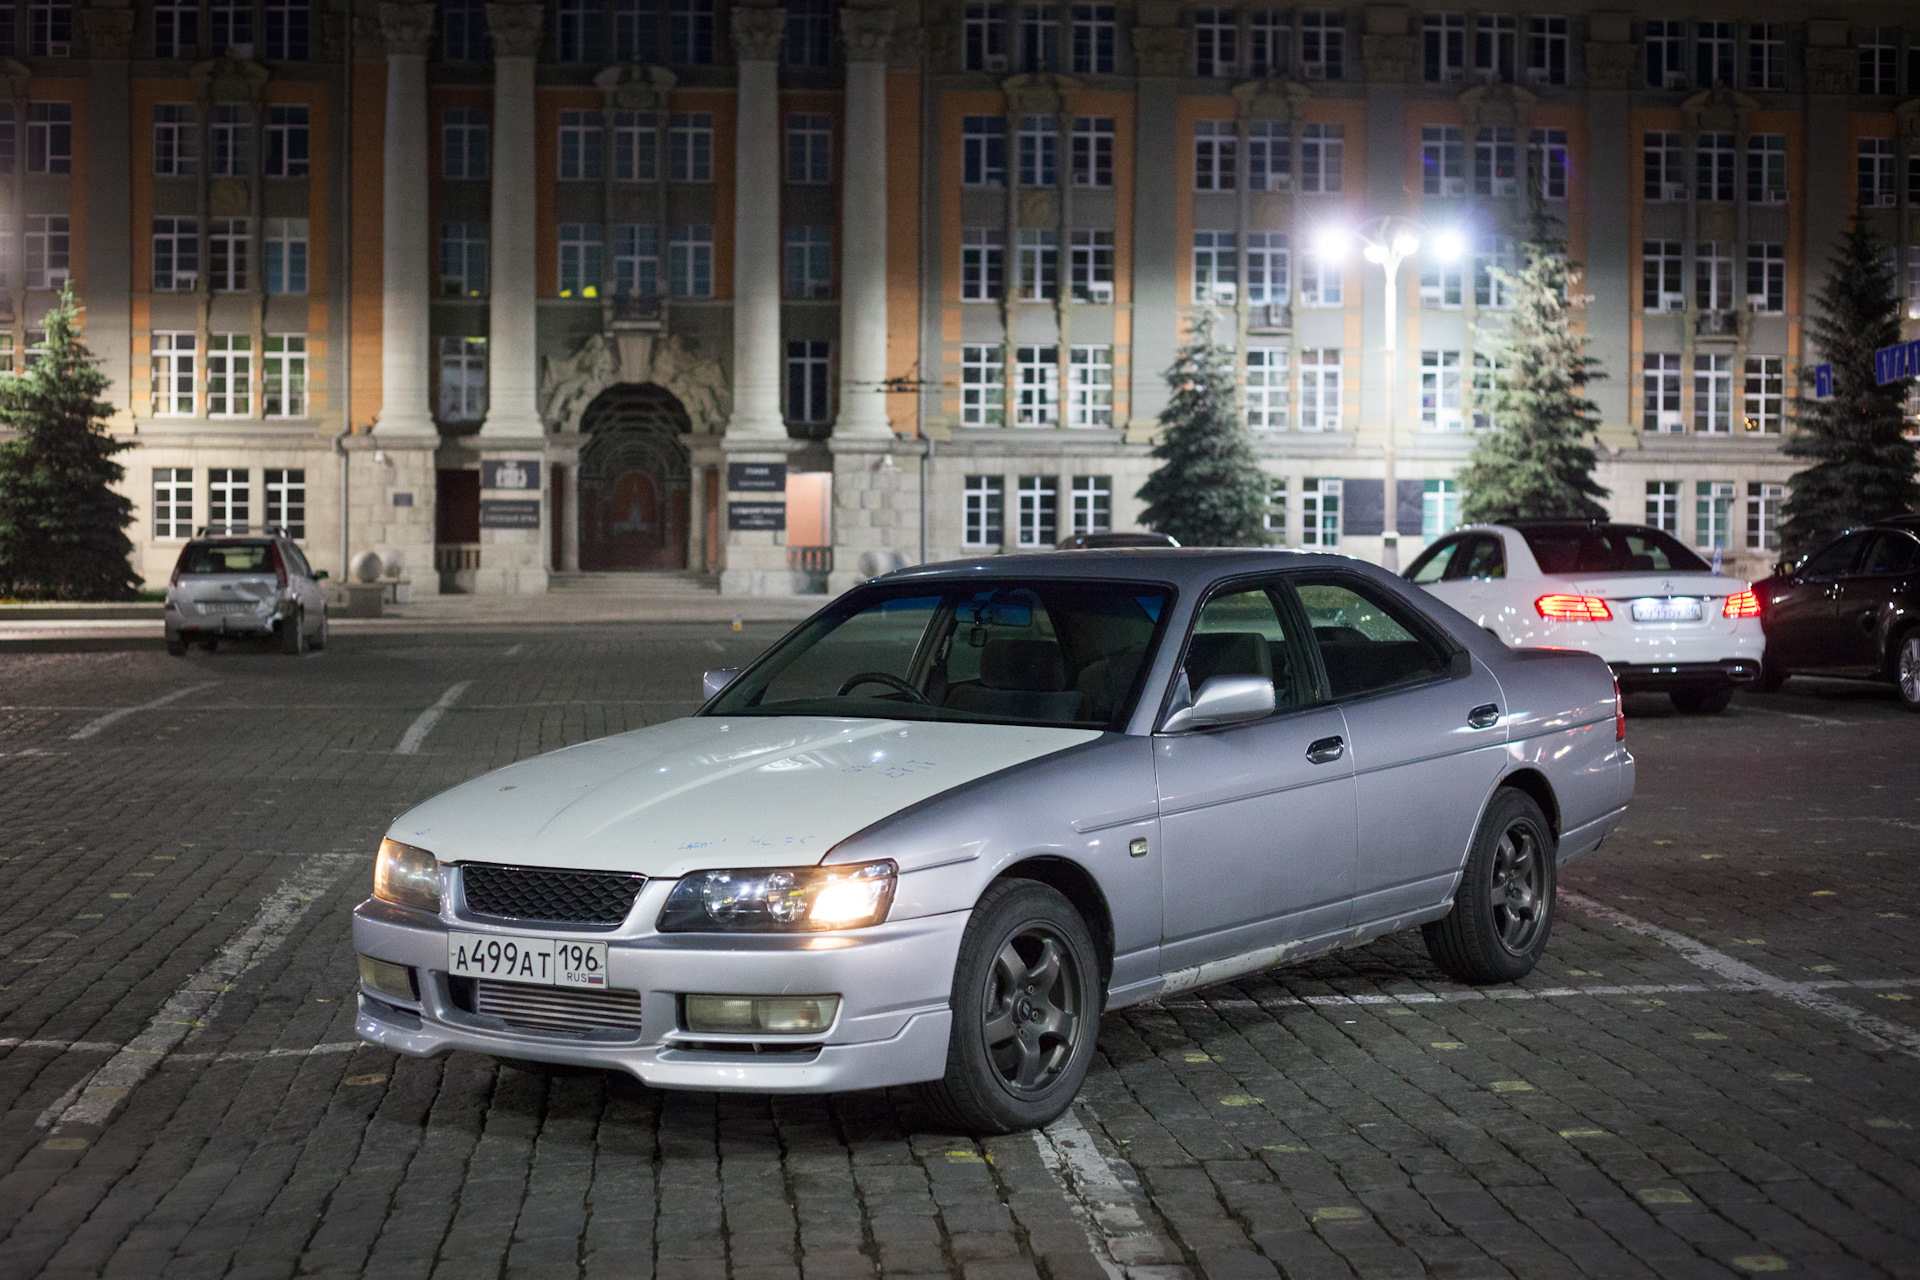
234 581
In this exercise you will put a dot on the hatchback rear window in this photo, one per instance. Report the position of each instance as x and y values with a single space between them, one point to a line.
1609 548
227 557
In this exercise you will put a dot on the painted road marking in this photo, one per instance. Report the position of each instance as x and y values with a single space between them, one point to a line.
423 723
1106 1210
94 726
513 650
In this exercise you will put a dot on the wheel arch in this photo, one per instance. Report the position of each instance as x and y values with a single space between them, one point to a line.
1077 885
1533 784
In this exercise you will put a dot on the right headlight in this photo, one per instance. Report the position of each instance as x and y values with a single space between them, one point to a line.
780 899
407 877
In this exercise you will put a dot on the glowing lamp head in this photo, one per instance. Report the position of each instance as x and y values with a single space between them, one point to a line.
1406 244
1331 243
1448 246
1375 253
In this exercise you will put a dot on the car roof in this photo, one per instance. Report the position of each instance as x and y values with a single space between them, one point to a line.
1185 567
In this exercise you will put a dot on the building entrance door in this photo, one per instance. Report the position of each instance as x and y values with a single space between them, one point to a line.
634 481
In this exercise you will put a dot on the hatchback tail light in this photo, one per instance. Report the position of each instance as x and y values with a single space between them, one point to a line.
1741 604
1573 609
178 564
1619 713
280 566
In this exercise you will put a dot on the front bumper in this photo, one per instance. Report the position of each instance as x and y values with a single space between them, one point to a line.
894 982
1664 677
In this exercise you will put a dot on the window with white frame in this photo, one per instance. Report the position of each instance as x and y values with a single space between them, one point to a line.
1039 264
1269 267
1319 512
1216 267
1663 505
283 384
1092 266
229 375
1660 392
1712 54
1547 50
463 31
232 25
1713 275
809 262
810 149
176 140
809 41
1663 178
230 248
983 386
690 32
1442 284
1274 518
1766 395
809 366
1766 55
1323 44
286 494
983 37
1216 42
463 379
286 255
47 245
230 139
1093 39
1767 168
1320 389
1038 516
1443 47
1713 514
1666 44
1092 504
1879 48
1440 391
1439 507
463 259
1269 156
1443 160
690 146
173 502
1661 264
1269 42
176 254
1712 393
1037 38
1215 155
1494 267
464 143
690 261
983 151
288 142
1496 48
1713 167
1766 277
1764 505
1090 386
176 28
50 137
1547 156
1322 159
1039 145
1875 170
1321 283
1486 371
172 357
1093 151
1037 386
636 146
52 28
289 30
1495 167
573 30
229 494
982 263
985 512
636 259
1266 393
580 260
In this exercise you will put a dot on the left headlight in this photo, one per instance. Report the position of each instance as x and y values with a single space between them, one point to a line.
780 899
407 877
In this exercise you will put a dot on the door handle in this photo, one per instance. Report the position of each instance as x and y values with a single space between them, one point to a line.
1484 716
1326 750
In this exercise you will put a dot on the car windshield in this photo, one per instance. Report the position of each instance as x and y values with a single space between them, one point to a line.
1011 652
1609 548
228 557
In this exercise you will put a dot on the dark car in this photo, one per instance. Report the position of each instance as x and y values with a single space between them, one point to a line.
1850 608
1105 541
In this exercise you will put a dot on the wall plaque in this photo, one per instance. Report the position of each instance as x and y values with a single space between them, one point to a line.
757 515
510 513
756 477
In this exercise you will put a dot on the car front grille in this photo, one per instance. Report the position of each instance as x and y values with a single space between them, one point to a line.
557 1008
540 893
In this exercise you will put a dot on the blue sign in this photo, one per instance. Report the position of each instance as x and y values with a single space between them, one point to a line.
1901 360
1823 380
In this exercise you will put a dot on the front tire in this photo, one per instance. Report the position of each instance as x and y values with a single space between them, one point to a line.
1026 1013
1906 670
1503 911
1701 702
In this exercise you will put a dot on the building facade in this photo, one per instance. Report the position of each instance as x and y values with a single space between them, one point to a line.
508 290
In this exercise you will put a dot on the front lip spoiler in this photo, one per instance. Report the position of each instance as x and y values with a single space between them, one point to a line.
1664 677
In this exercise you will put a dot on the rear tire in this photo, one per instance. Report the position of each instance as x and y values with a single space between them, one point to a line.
176 646
293 633
1906 669
320 637
1503 911
1702 702
1771 676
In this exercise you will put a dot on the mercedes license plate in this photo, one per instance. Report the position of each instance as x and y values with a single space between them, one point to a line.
551 962
1666 609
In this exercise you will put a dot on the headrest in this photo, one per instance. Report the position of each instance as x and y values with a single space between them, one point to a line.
1228 653
1030 666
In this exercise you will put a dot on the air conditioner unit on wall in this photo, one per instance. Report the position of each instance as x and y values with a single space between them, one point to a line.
1314 70
1673 302
996 62
1538 75
1670 420
1674 192
59 49
1453 186
1676 79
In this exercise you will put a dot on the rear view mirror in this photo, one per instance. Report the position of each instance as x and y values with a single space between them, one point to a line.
712 682
1225 700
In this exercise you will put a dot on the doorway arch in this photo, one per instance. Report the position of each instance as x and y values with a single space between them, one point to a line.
635 483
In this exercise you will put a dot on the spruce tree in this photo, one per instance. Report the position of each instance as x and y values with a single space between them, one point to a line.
1208 490
1861 467
62 527
1538 457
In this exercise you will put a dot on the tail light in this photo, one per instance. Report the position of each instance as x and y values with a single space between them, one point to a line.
279 566
1573 609
1619 713
179 563
1741 604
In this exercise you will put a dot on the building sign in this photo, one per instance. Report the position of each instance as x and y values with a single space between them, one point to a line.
756 477
1891 364
510 513
757 515
402 499
510 474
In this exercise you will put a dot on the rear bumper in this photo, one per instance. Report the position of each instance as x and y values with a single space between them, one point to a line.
1664 677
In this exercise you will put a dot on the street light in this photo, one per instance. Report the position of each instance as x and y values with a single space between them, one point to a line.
1388 242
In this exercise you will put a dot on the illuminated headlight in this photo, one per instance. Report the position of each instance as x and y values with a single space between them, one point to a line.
779 899
755 1015
388 979
407 877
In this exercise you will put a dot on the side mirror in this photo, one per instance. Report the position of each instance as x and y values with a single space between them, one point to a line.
1782 568
1225 700
319 575
712 682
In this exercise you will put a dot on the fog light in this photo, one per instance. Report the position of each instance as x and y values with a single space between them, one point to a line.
388 979
750 1015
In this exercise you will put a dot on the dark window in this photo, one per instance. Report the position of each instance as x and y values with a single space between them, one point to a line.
1891 553
227 557
1365 643
809 33
1608 548
463 31
1481 557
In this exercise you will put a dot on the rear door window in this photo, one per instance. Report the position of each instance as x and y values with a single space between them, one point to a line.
1891 553
1482 557
1366 643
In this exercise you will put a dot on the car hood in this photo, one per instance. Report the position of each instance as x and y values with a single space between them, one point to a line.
711 792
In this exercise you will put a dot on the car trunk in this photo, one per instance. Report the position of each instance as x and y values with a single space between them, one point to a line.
1662 601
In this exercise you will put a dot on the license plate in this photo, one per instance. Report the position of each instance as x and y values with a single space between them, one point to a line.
1666 609
549 962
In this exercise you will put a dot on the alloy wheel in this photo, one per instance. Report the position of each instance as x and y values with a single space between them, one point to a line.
1519 888
1910 669
1031 1011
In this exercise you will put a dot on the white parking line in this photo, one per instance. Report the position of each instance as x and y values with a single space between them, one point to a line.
513 650
94 726
423 723
1880 1032
1098 1198
193 1005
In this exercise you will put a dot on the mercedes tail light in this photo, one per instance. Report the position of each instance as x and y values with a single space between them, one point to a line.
1619 713
1741 604
1558 608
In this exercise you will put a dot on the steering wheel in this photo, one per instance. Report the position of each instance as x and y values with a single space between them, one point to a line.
880 677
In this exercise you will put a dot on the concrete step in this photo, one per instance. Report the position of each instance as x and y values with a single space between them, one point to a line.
658 582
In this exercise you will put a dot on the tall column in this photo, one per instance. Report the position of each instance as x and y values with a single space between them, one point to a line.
757 36
406 247
109 225
513 362
1160 56
863 227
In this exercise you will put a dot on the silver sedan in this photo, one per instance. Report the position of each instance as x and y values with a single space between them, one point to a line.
938 829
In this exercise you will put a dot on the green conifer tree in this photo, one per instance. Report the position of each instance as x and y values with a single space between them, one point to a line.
62 527
1861 468
1209 490
1538 457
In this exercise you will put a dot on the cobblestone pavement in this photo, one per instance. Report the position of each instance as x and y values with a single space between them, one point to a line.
1713 1073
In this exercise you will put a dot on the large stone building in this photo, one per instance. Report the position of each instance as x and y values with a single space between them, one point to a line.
508 290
